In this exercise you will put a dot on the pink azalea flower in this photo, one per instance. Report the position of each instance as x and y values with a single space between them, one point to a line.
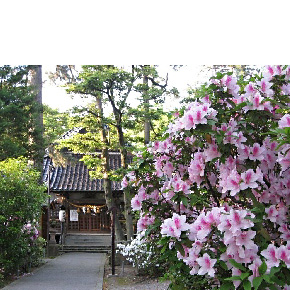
271 254
206 99
199 116
282 216
249 179
266 87
168 168
287 73
250 89
156 145
200 228
239 140
206 264
238 221
283 253
284 122
244 152
279 69
284 160
255 269
236 272
244 238
188 120
269 160
269 72
136 204
257 152
180 222
256 101
211 152
286 89
285 233
233 183
196 168
225 223
231 83
144 222
154 195
142 193
124 182
213 217
172 227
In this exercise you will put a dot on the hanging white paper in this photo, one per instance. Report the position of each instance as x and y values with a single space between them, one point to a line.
74 217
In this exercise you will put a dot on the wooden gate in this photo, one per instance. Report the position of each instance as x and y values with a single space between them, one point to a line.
90 222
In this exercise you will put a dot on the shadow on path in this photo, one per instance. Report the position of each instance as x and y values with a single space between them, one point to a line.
70 271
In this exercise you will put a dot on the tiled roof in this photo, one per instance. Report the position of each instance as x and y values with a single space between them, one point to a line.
75 175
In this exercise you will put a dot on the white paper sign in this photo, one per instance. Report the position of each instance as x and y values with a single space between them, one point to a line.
74 217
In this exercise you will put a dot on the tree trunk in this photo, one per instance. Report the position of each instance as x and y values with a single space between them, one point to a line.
36 83
146 106
127 197
107 182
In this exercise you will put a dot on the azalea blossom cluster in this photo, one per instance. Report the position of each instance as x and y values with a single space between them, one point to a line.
218 182
136 252
31 230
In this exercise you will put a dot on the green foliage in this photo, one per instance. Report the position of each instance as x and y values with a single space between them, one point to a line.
55 124
21 198
254 124
18 114
114 86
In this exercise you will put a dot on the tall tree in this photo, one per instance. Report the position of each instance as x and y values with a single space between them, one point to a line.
55 124
152 92
95 137
18 115
36 86
146 106
114 85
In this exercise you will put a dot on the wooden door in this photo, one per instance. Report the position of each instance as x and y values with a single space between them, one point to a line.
91 222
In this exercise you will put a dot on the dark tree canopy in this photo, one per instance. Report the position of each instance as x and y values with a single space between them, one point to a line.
18 114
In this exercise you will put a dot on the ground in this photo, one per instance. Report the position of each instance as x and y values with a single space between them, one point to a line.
128 279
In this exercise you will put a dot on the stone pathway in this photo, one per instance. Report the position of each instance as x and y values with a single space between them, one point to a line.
70 271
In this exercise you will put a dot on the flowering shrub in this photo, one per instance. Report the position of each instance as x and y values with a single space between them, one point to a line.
215 192
21 198
136 252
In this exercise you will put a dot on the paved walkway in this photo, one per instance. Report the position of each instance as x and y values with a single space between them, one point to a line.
70 271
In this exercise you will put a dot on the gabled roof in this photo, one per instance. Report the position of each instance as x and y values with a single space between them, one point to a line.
74 177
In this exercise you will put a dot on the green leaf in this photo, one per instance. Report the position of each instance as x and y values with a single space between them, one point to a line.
256 282
184 200
219 75
274 270
247 285
241 105
263 268
245 275
277 281
223 265
233 278
237 265
267 278
180 248
227 286
211 122
163 249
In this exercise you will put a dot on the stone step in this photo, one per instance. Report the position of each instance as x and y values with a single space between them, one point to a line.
89 240
92 249
86 240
